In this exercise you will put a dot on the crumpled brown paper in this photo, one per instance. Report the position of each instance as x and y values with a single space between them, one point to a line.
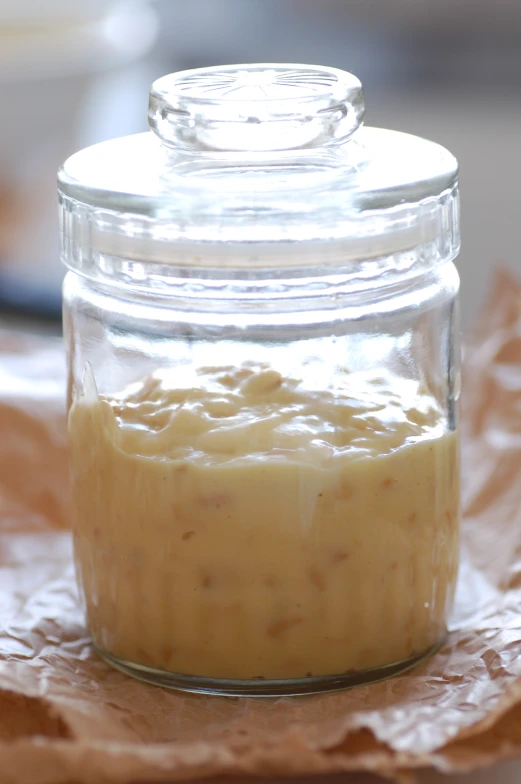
66 716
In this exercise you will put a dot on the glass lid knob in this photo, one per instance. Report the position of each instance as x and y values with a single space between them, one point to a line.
257 107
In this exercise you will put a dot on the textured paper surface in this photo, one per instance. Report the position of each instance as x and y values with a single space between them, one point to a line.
65 716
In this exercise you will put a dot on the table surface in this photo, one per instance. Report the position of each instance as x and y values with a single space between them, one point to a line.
505 773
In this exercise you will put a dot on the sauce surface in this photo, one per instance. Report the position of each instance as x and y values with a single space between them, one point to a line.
236 523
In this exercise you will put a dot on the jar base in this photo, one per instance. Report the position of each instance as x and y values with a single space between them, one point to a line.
259 687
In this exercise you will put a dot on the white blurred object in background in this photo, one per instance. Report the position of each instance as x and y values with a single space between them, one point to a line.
54 56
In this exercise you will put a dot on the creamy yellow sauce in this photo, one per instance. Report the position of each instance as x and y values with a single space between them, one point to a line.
235 523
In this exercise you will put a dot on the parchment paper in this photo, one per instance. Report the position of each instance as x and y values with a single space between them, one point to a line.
67 717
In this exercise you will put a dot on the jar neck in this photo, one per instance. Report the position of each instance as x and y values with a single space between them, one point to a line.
320 284
299 306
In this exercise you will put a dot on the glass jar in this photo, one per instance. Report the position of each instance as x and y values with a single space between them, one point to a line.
261 322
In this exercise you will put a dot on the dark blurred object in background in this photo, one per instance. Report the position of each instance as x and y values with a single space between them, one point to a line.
451 72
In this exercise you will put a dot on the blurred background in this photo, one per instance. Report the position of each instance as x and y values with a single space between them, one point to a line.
74 73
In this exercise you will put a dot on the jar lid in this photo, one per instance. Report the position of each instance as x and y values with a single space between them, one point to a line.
258 164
